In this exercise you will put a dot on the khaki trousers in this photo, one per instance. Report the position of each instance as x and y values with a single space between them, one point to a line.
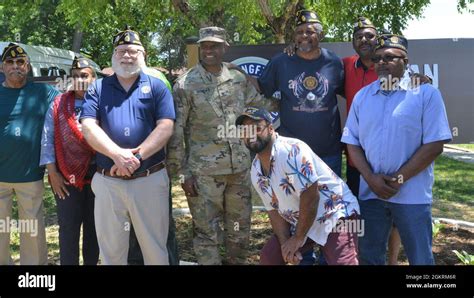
29 195
144 203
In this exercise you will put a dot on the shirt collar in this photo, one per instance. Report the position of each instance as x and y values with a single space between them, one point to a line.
404 85
114 80
258 165
358 63
211 78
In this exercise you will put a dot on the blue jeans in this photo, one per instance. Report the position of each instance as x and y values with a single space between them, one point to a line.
413 223
334 162
309 258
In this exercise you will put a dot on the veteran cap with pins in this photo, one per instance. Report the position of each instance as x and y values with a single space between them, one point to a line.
13 50
80 62
392 41
306 16
362 23
127 36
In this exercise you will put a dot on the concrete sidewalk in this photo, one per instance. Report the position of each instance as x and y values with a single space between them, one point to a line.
458 154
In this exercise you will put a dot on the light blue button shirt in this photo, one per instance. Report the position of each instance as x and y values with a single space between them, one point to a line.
390 127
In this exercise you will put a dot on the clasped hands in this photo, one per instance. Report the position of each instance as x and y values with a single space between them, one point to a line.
385 186
125 162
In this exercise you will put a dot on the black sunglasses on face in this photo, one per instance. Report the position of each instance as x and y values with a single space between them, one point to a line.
386 58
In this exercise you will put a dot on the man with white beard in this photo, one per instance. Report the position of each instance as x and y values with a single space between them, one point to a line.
128 118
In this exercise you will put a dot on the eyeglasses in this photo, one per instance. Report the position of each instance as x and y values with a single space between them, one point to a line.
368 36
131 52
387 58
19 62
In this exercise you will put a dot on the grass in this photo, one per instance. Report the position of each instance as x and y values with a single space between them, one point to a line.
464 146
453 198
453 189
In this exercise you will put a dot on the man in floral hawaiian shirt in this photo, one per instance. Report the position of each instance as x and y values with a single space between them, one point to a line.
306 201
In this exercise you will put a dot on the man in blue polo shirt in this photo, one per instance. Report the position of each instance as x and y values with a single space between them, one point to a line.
128 118
394 132
23 107
308 82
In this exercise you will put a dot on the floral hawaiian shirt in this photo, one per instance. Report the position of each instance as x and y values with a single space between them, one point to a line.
294 167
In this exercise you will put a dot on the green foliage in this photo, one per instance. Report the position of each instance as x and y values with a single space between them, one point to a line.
464 257
437 227
164 25
466 6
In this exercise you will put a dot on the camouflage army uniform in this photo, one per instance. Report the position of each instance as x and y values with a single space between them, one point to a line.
205 104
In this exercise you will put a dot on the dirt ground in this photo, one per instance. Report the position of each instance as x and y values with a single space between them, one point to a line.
448 239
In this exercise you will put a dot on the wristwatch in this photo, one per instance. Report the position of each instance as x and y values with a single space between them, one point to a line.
139 157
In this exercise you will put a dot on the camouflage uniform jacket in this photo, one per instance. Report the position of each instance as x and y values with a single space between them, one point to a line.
206 106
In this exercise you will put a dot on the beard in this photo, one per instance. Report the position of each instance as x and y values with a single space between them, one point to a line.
365 51
128 70
306 47
259 145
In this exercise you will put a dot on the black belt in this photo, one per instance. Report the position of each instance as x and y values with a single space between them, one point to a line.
145 173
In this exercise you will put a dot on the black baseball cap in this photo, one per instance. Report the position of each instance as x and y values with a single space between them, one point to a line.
255 114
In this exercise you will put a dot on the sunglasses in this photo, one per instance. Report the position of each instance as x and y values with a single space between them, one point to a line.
19 62
386 58
368 36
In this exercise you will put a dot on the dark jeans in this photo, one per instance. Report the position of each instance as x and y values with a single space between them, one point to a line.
414 225
76 210
135 256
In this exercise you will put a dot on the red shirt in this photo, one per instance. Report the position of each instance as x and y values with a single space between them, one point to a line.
357 76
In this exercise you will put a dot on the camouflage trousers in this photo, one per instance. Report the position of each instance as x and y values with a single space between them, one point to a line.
221 211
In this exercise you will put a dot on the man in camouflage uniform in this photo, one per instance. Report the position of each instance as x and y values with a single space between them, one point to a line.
213 164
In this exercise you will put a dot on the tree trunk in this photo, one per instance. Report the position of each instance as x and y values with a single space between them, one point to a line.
184 8
280 38
77 40
280 24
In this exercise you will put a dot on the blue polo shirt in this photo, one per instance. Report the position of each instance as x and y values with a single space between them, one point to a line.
128 118
390 127
308 106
